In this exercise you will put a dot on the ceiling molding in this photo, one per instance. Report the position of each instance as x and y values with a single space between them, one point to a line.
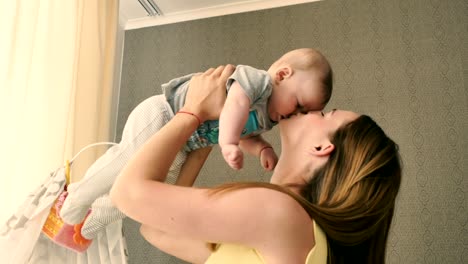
212 11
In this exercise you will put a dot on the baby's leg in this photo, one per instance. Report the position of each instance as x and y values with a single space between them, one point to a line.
145 120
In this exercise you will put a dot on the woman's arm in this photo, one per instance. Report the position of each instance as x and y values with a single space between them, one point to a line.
260 218
155 157
192 251
192 166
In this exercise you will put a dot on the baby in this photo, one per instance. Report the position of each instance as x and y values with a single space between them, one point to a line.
299 81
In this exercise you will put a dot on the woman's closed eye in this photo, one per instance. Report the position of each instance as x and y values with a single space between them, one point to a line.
301 109
298 107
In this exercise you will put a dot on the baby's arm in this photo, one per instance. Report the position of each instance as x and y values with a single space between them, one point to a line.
231 122
259 147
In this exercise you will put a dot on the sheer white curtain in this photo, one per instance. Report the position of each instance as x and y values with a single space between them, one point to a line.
56 67
55 81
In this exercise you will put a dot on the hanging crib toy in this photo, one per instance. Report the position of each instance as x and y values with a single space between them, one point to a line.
55 228
66 235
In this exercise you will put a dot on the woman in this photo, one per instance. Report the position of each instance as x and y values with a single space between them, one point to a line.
338 172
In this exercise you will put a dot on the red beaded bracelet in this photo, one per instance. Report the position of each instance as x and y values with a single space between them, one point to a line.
192 114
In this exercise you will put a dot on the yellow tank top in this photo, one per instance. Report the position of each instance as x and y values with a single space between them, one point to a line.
235 254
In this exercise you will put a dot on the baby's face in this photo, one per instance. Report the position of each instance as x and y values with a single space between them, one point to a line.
300 93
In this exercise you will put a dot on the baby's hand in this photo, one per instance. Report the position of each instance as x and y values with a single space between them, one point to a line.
233 156
268 158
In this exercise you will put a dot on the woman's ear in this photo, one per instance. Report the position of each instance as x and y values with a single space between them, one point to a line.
283 73
323 150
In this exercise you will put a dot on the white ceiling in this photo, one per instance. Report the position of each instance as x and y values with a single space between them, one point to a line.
133 15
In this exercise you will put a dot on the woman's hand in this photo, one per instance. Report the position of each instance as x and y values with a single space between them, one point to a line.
207 93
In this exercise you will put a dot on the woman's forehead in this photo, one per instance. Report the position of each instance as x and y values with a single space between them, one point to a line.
348 113
343 116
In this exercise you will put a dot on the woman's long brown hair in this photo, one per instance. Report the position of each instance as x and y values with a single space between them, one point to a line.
352 197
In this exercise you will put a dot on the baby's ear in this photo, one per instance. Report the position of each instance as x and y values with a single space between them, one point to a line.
283 73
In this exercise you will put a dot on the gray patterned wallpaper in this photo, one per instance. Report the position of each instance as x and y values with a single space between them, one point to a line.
404 62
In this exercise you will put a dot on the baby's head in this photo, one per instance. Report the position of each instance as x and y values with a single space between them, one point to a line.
302 81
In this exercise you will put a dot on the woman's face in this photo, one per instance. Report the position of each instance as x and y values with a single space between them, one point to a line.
303 136
313 127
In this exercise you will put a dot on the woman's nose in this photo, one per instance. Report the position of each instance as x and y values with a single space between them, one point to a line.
315 112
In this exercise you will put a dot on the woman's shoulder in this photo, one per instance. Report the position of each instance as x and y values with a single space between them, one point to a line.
272 209
285 210
281 205
274 203
284 222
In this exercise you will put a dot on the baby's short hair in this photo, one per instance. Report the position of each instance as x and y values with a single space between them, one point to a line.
308 59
